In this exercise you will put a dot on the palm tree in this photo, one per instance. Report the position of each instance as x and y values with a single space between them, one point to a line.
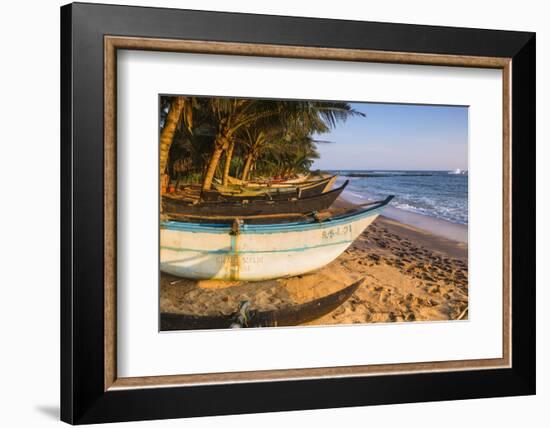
227 165
232 114
288 157
296 122
253 141
176 109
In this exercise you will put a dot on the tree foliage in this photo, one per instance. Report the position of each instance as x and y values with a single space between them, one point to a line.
203 137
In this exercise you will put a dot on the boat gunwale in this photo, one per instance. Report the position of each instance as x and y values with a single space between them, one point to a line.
224 228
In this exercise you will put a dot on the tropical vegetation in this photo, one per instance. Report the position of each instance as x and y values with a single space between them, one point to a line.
203 138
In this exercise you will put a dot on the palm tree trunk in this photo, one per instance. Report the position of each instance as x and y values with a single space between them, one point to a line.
228 156
168 132
212 166
246 168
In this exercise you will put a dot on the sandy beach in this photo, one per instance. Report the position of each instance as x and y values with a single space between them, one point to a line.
410 274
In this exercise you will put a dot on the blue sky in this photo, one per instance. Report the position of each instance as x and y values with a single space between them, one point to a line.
398 136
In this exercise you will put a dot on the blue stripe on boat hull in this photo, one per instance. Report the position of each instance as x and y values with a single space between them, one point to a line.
276 228
232 251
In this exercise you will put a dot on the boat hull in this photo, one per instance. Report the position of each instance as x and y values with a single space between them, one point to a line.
240 193
257 252
174 207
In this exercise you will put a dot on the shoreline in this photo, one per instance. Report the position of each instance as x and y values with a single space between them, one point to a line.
443 228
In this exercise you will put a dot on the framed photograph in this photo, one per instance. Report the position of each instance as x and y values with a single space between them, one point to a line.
266 213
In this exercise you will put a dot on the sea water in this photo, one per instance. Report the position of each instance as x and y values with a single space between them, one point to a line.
439 194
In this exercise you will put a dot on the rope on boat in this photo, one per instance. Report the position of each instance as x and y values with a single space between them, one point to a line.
242 316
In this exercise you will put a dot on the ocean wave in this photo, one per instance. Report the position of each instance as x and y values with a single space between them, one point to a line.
384 174
454 214
432 193
443 213
356 195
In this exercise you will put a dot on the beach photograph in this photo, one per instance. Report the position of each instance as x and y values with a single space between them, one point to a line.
297 213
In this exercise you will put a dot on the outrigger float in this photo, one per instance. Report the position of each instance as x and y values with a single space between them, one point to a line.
244 316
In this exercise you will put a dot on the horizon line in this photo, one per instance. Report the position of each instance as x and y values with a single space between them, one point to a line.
382 169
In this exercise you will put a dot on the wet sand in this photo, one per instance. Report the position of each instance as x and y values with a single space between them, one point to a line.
410 275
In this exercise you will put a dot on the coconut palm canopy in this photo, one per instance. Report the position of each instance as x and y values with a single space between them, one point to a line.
204 137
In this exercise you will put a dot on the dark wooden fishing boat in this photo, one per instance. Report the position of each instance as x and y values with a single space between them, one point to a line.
268 193
176 207
287 316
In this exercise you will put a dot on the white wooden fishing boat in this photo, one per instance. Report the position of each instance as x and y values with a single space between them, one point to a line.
301 182
254 252
303 190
